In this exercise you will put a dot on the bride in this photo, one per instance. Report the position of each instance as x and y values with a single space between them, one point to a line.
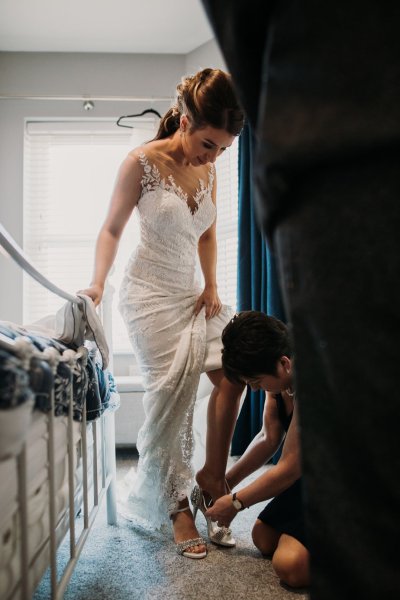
175 326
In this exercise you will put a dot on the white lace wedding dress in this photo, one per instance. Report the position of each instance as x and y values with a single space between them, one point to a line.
171 345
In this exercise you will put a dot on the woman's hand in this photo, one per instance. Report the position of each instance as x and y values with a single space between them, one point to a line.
209 298
95 292
222 511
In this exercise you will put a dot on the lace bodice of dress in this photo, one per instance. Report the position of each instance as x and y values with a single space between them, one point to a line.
174 212
158 176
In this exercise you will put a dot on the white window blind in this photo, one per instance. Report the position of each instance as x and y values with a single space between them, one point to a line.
69 173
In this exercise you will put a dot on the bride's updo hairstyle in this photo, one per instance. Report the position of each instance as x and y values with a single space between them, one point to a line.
208 99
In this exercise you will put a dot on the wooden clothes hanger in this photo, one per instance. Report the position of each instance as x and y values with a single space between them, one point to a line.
145 112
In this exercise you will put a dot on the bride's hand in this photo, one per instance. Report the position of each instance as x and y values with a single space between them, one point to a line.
95 292
209 298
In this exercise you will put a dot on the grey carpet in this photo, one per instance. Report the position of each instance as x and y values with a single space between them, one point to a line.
124 562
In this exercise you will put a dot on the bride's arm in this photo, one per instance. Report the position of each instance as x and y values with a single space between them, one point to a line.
207 249
123 200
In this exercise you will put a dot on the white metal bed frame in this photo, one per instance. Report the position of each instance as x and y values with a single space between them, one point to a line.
105 426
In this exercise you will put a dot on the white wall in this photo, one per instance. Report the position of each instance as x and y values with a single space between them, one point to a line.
59 74
70 74
207 55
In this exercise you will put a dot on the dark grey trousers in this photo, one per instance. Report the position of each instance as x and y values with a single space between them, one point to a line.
339 256
320 82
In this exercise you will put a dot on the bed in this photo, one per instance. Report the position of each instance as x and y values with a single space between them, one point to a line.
57 450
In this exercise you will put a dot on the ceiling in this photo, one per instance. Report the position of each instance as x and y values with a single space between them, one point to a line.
139 26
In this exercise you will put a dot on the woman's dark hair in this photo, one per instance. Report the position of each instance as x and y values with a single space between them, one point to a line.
208 99
253 343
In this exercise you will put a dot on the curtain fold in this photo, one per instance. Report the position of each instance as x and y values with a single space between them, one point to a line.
258 287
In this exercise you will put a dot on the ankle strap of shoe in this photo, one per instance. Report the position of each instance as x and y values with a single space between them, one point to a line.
179 510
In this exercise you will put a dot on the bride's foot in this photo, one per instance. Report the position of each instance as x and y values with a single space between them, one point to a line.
218 535
207 491
187 539
212 488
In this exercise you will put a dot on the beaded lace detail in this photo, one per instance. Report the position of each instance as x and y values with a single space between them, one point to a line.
152 179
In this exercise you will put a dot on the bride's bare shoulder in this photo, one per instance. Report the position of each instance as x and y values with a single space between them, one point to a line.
150 149
139 156
154 153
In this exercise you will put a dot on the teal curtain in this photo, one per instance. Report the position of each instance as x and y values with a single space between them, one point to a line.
258 287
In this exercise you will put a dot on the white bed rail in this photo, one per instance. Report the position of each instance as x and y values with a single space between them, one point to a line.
103 429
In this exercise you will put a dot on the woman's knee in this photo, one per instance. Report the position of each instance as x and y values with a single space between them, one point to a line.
291 564
264 537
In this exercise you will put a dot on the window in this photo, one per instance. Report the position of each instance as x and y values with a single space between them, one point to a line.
69 173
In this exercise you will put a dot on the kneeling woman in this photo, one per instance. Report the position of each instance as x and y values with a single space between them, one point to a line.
257 351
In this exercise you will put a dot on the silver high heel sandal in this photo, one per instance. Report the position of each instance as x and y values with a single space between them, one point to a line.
181 547
218 535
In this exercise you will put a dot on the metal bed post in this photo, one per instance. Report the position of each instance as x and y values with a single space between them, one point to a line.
71 471
111 469
23 504
95 465
53 360
109 419
23 512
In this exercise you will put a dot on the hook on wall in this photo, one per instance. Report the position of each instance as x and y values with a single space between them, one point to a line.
88 105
